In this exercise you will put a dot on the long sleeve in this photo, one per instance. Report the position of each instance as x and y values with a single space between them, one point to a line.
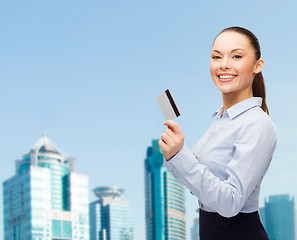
252 151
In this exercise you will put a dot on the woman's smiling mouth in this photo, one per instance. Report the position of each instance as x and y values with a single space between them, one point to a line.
226 77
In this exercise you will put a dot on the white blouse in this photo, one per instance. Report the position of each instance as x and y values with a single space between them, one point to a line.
227 165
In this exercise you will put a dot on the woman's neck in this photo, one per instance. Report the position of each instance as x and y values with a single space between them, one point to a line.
230 99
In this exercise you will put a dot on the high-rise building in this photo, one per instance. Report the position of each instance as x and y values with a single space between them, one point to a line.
295 224
45 199
262 215
164 199
195 230
279 217
110 216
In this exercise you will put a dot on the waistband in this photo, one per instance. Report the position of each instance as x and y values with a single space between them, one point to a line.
216 215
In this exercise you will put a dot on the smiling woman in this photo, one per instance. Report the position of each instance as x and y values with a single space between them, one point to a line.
227 165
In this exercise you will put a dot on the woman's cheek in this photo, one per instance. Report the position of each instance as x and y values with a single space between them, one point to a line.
212 68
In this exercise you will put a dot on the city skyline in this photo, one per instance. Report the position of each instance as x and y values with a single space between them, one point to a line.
88 74
45 198
109 215
44 151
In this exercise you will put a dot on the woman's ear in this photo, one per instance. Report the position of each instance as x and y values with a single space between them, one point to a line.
259 66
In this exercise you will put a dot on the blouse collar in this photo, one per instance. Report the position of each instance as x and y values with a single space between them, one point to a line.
239 108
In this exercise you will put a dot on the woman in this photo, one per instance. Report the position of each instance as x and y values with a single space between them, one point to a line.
227 165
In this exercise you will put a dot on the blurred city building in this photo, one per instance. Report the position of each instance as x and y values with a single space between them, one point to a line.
278 215
262 215
295 224
110 216
164 199
195 229
46 199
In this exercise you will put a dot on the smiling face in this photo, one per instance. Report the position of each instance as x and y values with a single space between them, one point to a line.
233 64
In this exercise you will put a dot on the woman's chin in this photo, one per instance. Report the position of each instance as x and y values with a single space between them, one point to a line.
226 90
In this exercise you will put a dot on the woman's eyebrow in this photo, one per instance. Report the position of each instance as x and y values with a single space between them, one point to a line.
237 49
233 50
216 51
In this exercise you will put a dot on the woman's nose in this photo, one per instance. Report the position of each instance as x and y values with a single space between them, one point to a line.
225 63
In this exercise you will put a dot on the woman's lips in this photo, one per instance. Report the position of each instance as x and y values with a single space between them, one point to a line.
226 77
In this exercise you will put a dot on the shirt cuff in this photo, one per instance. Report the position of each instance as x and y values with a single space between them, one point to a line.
181 163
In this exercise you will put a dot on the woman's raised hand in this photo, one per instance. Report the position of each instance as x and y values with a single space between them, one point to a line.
172 140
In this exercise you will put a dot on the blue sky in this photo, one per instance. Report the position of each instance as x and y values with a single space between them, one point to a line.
87 73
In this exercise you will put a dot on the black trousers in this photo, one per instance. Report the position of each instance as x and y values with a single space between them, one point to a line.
243 226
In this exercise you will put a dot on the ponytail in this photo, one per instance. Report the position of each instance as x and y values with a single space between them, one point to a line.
259 90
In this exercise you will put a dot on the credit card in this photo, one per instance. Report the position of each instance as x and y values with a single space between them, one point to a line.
168 105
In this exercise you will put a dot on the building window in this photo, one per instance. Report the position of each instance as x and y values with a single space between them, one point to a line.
66 229
56 228
61 229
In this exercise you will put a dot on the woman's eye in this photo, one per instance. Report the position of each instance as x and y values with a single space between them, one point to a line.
237 56
215 57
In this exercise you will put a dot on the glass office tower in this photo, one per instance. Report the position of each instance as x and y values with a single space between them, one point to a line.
110 216
295 224
279 217
195 230
164 199
262 215
45 199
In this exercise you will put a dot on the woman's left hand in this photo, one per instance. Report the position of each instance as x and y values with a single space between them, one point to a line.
172 140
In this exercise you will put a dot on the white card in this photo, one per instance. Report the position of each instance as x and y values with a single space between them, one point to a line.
168 105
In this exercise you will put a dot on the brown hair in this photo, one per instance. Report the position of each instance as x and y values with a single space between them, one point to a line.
258 86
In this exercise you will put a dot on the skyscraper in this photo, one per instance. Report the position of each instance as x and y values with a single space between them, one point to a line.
45 199
262 215
164 199
195 229
110 217
295 224
279 217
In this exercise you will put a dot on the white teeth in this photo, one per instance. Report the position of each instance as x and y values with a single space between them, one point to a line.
226 76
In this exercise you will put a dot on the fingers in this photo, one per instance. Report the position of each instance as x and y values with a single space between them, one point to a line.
165 149
162 145
169 132
172 125
165 138
167 135
172 140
